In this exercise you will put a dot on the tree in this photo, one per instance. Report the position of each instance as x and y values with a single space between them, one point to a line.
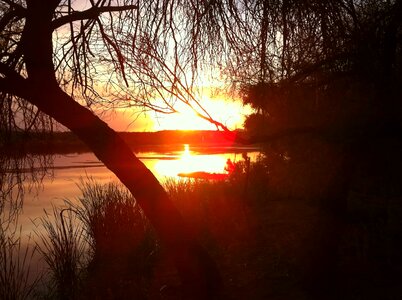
327 62
332 72
40 79
60 60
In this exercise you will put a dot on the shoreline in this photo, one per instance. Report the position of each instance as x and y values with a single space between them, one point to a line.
20 144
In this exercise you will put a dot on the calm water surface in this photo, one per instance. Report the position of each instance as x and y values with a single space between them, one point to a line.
68 170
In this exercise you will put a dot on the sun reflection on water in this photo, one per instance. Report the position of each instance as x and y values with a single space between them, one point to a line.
188 162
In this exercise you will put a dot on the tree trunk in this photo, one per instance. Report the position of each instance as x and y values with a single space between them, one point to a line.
198 272
196 269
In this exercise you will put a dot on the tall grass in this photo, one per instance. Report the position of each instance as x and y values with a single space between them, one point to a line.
100 246
112 219
64 249
217 211
15 280
122 244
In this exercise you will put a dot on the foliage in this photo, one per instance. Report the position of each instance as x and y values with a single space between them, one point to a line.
100 245
63 247
341 66
15 265
213 207
282 237
121 241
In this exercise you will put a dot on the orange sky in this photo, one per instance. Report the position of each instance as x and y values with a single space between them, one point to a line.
230 113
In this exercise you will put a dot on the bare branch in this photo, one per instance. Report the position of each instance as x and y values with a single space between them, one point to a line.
14 5
91 13
17 88
9 16
116 49
9 73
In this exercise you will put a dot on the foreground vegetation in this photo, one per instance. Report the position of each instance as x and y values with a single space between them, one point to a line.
290 226
319 217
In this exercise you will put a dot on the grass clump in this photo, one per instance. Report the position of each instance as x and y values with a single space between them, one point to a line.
64 249
15 260
100 246
122 244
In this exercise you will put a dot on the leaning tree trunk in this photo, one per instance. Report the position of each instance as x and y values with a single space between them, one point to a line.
198 272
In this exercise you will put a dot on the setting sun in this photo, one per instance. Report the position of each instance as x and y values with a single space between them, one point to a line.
231 113
200 149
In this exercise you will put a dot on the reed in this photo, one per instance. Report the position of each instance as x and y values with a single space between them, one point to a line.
16 282
122 244
63 247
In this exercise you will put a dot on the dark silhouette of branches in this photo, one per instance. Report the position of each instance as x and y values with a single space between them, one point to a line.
54 70
296 62
91 13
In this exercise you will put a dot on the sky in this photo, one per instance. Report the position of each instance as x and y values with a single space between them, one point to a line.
231 113
222 108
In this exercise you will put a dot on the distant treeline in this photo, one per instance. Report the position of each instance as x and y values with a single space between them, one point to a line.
66 142
172 137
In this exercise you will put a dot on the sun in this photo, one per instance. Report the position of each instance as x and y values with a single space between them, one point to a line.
185 119
228 112
223 108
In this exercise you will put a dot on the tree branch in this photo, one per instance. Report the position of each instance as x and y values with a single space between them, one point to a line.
7 71
15 5
310 69
17 87
91 13
9 16
14 84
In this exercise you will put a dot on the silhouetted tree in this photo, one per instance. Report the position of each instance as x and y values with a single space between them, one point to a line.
329 62
331 70
56 58
299 63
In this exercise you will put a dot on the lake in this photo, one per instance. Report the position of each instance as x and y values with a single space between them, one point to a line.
164 162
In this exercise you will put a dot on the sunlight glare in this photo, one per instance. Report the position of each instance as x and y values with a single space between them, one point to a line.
229 112
187 163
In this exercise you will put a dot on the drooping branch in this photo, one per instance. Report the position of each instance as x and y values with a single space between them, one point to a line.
91 13
197 270
13 83
314 67
15 5
10 16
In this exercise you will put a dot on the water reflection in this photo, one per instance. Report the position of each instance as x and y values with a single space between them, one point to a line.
189 161
68 170
162 163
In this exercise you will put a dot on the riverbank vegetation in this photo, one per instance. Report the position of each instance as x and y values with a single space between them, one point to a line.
270 227
318 217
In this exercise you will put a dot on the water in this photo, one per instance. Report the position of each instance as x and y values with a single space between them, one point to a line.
68 170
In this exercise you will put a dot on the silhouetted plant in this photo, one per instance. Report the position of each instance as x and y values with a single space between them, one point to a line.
64 249
102 242
15 266
122 244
